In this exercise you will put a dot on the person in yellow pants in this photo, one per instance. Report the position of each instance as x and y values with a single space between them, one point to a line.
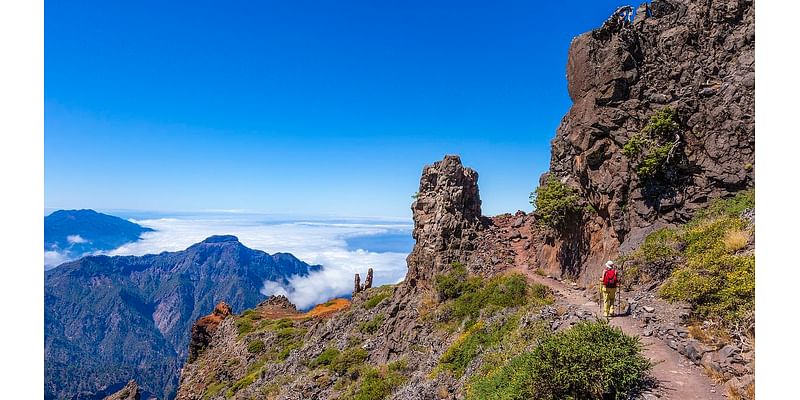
608 288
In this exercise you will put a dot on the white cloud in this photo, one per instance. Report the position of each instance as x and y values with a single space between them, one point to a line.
53 258
315 242
75 239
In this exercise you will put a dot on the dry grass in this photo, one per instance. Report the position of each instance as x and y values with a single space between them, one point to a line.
326 309
715 376
540 272
733 394
750 391
736 239
748 394
428 305
713 336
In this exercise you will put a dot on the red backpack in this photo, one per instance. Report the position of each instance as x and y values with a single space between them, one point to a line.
610 278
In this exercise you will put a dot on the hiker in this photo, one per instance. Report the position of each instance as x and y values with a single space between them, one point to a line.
608 288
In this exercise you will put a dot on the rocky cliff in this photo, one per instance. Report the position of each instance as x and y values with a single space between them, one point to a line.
694 60
112 319
447 219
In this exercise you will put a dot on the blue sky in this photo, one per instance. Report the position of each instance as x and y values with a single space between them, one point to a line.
300 107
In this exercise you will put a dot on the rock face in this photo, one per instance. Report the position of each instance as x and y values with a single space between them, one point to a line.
204 329
447 219
112 319
697 57
129 392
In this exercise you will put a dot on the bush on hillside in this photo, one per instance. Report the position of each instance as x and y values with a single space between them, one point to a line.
702 264
554 202
325 358
591 360
470 344
467 296
651 148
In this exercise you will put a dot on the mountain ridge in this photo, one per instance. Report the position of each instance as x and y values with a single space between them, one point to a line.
102 313
74 233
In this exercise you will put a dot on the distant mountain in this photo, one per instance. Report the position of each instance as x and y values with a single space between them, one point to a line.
77 232
112 319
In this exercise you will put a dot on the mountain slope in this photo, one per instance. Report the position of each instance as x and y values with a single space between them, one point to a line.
112 319
77 232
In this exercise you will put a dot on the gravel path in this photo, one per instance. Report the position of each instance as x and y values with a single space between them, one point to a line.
679 379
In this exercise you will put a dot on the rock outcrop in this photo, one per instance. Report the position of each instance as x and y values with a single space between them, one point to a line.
358 287
204 329
129 392
696 57
447 219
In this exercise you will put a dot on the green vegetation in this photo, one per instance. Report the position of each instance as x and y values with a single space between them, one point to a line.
469 301
253 373
255 346
244 326
348 361
466 297
380 294
325 358
651 148
372 325
213 389
378 384
591 360
288 339
251 321
554 202
702 264
472 342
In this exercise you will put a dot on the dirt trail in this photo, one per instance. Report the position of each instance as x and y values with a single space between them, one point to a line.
679 378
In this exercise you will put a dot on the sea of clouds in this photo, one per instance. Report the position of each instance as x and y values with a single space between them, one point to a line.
315 242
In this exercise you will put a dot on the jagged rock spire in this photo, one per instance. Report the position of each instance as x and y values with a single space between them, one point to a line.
447 218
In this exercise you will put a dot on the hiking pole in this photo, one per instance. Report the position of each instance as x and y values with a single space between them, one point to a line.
619 287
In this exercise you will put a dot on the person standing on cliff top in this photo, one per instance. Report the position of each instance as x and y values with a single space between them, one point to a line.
608 287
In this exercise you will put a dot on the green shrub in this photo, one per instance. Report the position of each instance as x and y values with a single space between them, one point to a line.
468 296
650 148
213 389
662 124
287 339
635 145
730 207
255 346
591 360
241 384
244 326
288 348
378 384
699 264
470 344
380 294
372 325
325 358
654 161
453 283
554 202
348 359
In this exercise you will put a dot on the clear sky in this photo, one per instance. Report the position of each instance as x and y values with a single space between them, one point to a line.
322 107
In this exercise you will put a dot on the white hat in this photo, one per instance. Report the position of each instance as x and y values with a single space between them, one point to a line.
609 264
